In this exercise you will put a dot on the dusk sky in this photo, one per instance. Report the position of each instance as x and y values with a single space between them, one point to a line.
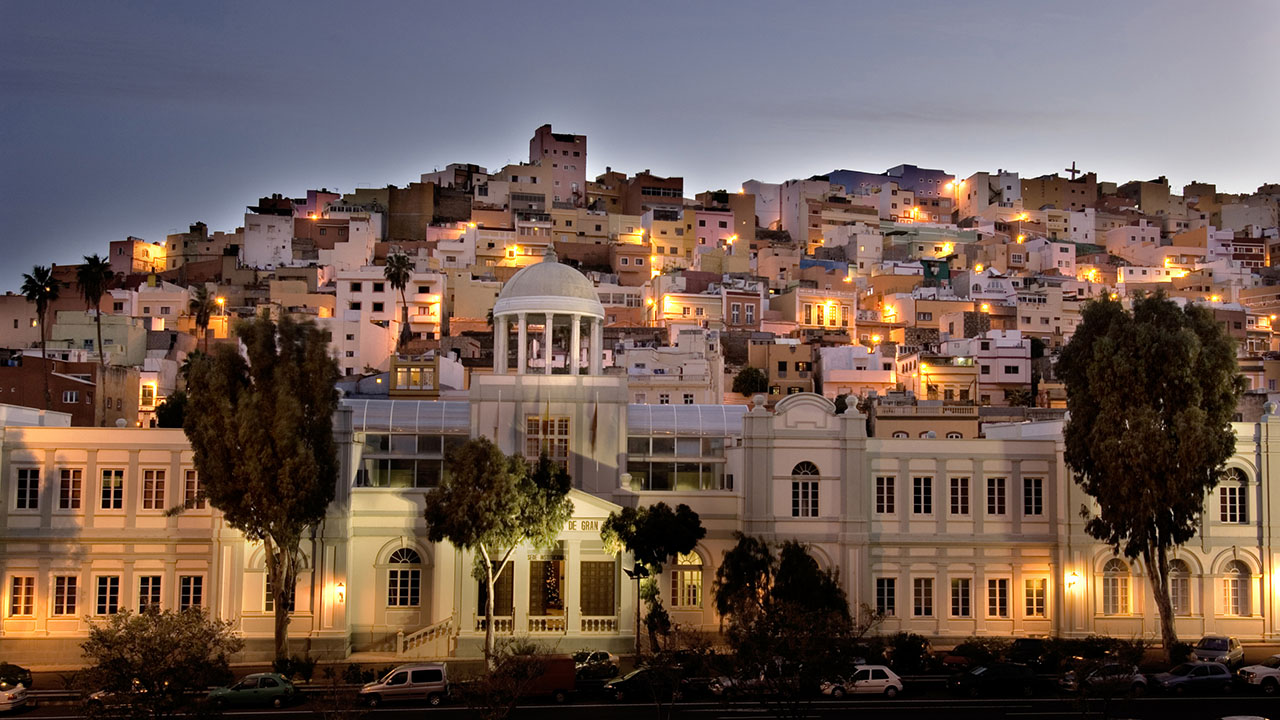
136 118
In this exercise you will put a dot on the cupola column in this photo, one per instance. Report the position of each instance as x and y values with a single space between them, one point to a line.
575 345
501 331
597 346
546 335
522 337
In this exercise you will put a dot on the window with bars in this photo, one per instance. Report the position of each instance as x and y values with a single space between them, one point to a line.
998 597
192 497
686 581
1032 496
65 594
995 496
28 487
922 597
548 435
922 495
112 489
108 599
886 596
404 584
152 489
22 596
70 488
148 591
959 496
1035 591
960 597
885 495
190 591
804 498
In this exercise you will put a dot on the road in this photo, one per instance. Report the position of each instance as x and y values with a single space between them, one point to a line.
904 708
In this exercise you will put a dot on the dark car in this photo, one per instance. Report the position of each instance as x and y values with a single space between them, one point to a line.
1194 677
256 690
635 685
1034 653
1107 680
15 675
993 680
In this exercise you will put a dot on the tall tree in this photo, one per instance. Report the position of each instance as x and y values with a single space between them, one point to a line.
653 535
94 278
1151 393
491 503
40 287
161 661
750 381
262 432
201 307
398 270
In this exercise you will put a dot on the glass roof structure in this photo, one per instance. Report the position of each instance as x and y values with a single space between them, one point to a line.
444 417
696 420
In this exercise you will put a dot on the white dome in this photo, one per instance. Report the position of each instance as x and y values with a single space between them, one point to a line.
549 286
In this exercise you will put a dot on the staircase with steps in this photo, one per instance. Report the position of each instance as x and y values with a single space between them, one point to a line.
432 641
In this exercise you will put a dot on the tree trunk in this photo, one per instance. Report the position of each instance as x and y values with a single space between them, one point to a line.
638 581
1156 559
44 359
102 359
282 574
404 322
488 603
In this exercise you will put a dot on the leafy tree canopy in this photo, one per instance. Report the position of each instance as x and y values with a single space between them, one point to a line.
750 381
653 534
171 412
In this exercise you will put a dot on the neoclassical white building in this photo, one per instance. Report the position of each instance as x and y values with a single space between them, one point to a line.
950 537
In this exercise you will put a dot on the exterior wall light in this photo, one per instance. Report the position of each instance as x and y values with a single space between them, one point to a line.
341 592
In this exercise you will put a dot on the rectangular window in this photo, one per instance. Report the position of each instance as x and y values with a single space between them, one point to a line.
597 583
922 495
688 398
1032 496
735 312
804 498
751 314
922 597
886 596
1232 598
112 491
959 496
1036 590
664 398
1233 504
269 600
404 588
22 596
65 594
998 598
995 496
148 591
190 591
884 495
191 497
960 597
70 396
549 435
70 487
108 601
153 490
1180 594
28 489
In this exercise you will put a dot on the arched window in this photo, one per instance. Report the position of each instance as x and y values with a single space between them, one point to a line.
1180 587
686 581
1235 588
1233 498
955 436
805 468
404 583
804 493
1115 587
901 434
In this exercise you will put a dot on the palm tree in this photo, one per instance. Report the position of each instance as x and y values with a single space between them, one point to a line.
40 287
397 272
94 278
202 306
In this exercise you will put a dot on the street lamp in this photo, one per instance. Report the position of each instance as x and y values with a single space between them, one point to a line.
222 304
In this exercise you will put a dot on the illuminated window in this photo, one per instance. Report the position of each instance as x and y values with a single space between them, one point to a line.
112 490
886 596
998 597
548 435
686 581
153 490
922 597
22 596
1235 589
1034 591
1180 587
404 584
70 488
1115 587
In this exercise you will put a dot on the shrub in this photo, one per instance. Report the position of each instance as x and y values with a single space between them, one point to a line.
909 653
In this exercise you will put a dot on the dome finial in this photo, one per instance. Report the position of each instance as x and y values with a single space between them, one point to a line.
550 255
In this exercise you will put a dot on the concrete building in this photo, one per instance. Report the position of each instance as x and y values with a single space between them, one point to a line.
567 155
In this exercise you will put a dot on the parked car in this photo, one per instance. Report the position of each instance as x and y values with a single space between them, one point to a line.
12 695
256 690
865 680
1194 677
1109 679
1033 652
584 658
993 680
116 698
15 675
424 681
1219 649
1265 675
594 669
635 685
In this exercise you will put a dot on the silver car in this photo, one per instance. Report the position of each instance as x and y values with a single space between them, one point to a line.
423 681
1220 649
866 680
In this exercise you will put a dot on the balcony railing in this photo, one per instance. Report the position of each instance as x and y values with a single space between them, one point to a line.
501 624
547 624
600 624
913 410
